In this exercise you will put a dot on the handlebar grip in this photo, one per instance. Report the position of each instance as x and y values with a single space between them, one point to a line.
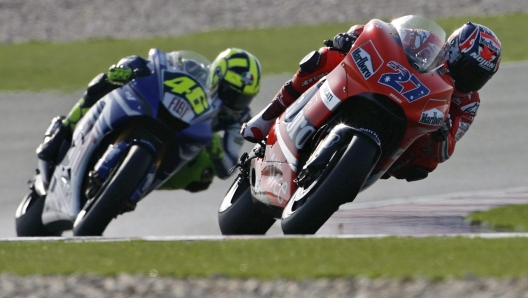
328 43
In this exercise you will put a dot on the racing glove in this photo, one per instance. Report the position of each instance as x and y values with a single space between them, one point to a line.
128 69
343 42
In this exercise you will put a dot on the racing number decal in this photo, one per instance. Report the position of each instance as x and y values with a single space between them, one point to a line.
404 82
189 89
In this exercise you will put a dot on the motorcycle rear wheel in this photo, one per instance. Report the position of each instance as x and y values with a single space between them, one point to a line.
340 181
238 215
28 217
117 189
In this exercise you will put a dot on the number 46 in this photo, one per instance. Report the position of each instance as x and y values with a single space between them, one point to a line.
190 90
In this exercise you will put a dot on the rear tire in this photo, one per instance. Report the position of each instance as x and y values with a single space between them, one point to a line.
238 215
115 192
28 217
312 205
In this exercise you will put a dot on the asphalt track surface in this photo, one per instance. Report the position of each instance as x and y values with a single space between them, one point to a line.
488 169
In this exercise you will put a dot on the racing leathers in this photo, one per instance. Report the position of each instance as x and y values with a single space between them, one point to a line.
421 158
215 160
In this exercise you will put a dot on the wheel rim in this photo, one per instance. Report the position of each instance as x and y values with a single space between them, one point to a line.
24 205
299 197
302 194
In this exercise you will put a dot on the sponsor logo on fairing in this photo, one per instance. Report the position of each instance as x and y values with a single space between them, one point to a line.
432 117
312 79
275 180
328 97
396 98
129 96
367 59
300 130
371 132
433 112
178 107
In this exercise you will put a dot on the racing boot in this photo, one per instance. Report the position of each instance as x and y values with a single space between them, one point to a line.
257 128
312 67
53 138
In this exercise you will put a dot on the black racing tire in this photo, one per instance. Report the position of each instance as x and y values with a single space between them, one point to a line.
340 182
107 205
28 217
238 214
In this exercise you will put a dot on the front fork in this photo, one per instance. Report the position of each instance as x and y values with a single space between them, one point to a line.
108 162
104 165
244 163
339 136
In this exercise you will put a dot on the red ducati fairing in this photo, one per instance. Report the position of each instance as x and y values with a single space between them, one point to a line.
346 131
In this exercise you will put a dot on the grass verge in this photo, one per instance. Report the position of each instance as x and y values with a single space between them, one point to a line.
402 258
40 66
512 218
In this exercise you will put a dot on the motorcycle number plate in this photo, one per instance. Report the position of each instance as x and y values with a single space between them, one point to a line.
184 97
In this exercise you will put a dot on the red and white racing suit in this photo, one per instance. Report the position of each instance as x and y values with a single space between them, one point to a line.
425 153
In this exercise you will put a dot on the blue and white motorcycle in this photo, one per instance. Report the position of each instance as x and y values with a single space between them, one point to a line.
127 145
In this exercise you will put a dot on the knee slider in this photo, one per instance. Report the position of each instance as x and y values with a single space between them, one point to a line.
310 62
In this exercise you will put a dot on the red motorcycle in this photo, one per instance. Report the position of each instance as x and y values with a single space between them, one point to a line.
343 133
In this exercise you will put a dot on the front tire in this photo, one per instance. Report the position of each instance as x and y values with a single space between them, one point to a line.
107 205
238 215
312 205
28 217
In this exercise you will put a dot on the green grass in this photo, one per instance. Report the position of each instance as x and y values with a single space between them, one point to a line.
512 218
401 258
40 66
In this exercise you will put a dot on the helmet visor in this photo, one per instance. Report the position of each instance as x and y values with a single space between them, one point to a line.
471 77
234 99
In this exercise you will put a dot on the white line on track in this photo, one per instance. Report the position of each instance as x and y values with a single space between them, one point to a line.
222 238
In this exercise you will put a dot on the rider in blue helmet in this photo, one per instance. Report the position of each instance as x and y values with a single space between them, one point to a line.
469 58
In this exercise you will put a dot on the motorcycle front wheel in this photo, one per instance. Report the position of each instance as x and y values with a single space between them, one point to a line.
340 181
28 217
238 215
95 217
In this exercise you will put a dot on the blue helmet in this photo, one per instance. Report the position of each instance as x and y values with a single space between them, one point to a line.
472 54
